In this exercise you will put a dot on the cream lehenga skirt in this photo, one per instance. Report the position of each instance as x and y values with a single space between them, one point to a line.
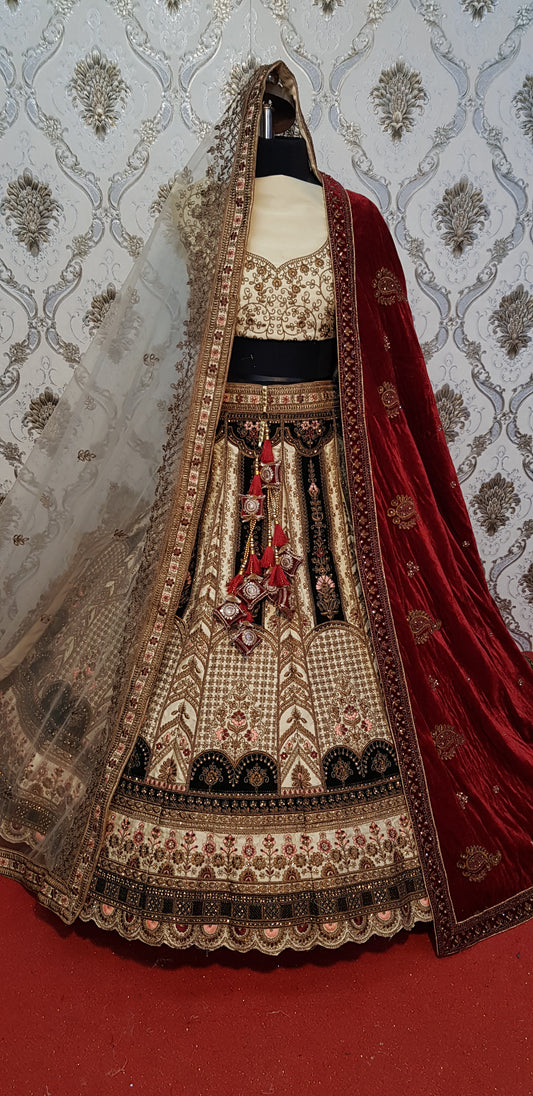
262 806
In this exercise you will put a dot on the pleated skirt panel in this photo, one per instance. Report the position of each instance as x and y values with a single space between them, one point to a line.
262 806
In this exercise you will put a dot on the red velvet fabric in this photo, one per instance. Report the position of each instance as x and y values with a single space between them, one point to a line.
471 802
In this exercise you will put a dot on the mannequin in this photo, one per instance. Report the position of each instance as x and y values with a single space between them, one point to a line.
265 361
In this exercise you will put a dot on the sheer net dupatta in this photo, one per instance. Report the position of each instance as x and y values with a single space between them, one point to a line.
96 534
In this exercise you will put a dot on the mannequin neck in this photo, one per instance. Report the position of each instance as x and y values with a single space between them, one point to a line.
284 156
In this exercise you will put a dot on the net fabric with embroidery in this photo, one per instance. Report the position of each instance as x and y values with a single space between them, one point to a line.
86 525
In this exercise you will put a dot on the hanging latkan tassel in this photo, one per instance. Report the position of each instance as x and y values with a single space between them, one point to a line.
272 574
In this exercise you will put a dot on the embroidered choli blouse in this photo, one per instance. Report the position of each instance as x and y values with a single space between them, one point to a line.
287 284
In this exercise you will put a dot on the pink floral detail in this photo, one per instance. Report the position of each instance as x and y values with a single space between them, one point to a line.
324 582
209 847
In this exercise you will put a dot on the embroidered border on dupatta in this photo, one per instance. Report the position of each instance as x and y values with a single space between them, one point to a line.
451 935
174 559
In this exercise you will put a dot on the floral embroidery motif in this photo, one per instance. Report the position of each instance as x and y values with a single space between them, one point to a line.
309 431
211 775
342 770
476 862
412 568
402 512
162 194
86 455
387 287
390 399
328 600
446 740
463 799
294 300
256 776
300 777
240 726
166 851
18 539
422 625
352 718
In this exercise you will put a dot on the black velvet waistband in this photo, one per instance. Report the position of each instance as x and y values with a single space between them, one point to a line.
279 361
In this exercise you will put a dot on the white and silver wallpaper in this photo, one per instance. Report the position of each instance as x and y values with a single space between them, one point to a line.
426 107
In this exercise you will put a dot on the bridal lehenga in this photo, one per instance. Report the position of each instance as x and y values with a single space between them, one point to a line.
255 692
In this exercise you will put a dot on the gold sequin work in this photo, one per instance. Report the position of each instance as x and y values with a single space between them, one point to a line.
263 796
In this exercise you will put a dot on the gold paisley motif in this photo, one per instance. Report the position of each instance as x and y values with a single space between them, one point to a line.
402 511
446 740
422 625
390 399
387 287
476 862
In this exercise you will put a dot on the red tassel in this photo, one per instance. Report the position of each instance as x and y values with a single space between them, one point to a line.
253 567
278 577
267 559
279 538
234 584
256 487
267 455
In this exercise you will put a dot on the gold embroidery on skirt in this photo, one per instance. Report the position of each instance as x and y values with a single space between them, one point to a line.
246 766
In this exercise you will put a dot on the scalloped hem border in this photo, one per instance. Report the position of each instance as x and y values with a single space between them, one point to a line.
270 940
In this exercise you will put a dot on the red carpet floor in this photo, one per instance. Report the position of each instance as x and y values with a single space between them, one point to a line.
83 1013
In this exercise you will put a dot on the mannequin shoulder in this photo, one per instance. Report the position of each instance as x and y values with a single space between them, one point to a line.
365 211
369 226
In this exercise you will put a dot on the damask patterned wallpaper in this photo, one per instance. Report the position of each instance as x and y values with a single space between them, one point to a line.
426 107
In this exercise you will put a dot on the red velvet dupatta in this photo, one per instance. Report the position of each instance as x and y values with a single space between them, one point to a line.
457 689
